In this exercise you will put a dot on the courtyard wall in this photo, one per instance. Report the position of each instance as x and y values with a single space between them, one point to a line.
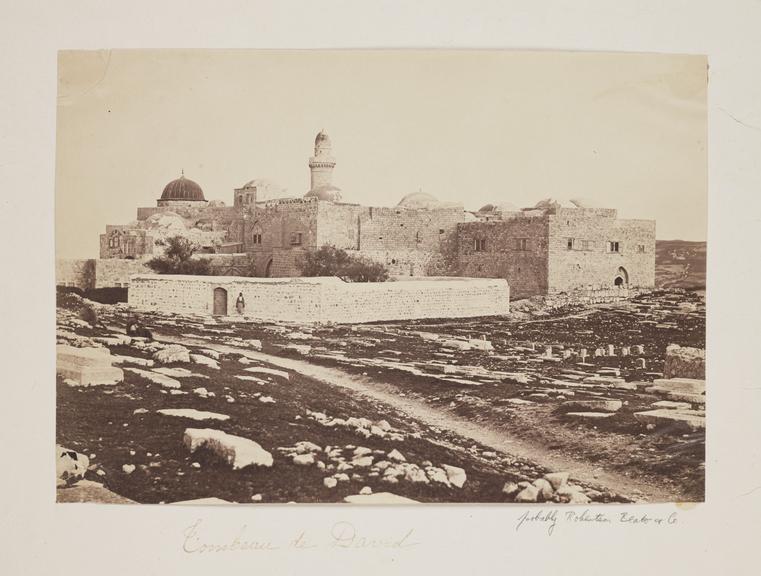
322 299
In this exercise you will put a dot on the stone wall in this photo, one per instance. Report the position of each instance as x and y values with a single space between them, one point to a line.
504 254
113 272
78 273
580 255
400 229
322 299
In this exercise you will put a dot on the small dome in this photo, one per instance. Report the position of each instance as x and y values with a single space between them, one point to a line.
486 208
265 189
501 208
327 193
419 200
183 189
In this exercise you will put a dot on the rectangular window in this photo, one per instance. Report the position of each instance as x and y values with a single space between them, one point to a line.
613 247
521 244
640 248
479 244
296 239
257 238
570 244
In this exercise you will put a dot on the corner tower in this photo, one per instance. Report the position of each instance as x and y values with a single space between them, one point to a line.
322 163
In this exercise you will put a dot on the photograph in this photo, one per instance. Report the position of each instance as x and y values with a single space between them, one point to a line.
380 277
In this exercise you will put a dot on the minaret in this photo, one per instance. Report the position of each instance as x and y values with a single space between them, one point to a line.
322 163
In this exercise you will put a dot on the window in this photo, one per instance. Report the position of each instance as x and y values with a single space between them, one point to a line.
641 248
257 238
441 230
479 244
570 244
296 239
521 244
613 246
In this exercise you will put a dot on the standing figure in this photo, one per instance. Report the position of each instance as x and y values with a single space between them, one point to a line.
240 304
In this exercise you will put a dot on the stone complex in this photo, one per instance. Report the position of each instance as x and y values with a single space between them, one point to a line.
547 249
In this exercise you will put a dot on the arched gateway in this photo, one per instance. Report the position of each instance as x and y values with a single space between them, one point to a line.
622 278
220 302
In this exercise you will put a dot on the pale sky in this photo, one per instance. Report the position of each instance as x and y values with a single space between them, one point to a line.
624 131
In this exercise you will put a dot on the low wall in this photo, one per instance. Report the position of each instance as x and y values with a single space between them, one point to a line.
321 299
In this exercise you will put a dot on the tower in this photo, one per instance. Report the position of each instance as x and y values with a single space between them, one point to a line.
322 163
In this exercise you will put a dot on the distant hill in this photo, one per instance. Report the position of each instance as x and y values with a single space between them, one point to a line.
680 264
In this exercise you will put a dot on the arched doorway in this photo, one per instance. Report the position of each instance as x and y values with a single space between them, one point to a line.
220 302
622 278
268 269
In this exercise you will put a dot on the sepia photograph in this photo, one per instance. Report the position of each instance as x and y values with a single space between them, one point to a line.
380 277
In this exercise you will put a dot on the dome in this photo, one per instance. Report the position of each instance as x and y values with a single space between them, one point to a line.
327 193
265 189
419 200
183 189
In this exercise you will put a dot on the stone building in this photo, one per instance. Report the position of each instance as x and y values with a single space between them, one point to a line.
557 248
549 248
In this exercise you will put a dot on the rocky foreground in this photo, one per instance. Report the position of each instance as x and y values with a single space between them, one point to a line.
202 414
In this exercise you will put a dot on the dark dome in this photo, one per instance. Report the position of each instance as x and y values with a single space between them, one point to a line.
182 189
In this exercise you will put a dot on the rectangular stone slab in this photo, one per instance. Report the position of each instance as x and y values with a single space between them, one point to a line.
664 416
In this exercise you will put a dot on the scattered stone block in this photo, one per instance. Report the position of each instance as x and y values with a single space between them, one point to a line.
156 378
684 362
379 498
272 371
670 404
591 405
237 451
455 475
70 466
172 353
192 414
89 491
557 479
691 419
589 415
87 366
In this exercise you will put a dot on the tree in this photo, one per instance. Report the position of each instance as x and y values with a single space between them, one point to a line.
178 259
331 261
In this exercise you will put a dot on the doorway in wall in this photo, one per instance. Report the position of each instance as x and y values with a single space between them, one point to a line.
622 278
220 302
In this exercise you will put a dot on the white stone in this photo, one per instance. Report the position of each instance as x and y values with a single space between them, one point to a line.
204 361
330 482
396 456
378 498
87 366
240 452
70 465
455 475
156 378
172 353
272 371
266 399
192 414
303 459
128 468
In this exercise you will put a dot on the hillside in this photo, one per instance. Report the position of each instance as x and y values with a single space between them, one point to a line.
680 264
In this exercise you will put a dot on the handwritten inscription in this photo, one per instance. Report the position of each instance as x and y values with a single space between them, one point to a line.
552 518
341 535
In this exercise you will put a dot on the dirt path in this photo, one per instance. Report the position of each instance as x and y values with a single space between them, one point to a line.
589 473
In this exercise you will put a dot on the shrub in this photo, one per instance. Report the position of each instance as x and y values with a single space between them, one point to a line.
331 261
178 259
